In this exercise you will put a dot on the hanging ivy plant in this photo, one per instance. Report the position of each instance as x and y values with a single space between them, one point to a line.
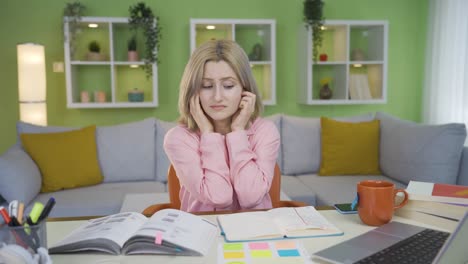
74 11
313 17
142 17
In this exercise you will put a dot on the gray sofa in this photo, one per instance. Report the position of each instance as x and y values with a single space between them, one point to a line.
132 160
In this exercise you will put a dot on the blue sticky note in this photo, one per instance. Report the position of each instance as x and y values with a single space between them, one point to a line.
355 201
288 253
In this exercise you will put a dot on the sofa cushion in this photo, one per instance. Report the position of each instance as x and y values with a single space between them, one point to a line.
410 151
126 151
338 189
349 148
162 161
300 141
276 119
20 178
101 199
296 190
66 159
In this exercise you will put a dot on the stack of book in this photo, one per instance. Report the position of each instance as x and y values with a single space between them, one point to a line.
436 199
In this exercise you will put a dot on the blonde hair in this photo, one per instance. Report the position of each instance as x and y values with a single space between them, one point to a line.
215 50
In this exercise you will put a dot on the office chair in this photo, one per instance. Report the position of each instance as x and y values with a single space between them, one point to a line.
174 189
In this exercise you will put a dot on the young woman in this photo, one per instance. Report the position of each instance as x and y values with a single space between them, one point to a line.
224 154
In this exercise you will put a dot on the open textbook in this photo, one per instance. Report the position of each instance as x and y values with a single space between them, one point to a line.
168 232
278 223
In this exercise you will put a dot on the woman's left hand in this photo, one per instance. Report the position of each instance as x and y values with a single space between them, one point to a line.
246 108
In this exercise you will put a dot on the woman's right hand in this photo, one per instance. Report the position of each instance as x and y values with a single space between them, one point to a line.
199 116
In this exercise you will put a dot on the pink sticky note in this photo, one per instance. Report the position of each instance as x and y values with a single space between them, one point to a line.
158 239
258 245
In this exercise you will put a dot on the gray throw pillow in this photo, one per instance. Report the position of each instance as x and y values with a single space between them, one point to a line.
126 151
411 151
300 140
20 178
162 161
23 127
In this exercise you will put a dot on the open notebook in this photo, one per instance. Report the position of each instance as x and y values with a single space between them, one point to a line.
278 223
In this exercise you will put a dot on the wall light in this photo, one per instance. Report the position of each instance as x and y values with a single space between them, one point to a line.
210 27
32 83
92 25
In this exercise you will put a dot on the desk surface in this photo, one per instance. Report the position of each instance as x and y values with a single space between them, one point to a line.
350 224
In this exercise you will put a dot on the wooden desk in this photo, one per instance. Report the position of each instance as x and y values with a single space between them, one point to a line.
350 224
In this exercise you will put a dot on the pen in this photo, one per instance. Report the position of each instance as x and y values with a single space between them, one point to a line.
47 208
5 215
13 208
20 213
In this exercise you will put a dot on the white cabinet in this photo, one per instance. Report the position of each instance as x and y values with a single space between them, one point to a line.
353 58
107 78
258 39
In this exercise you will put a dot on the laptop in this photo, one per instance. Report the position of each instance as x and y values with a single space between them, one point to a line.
397 242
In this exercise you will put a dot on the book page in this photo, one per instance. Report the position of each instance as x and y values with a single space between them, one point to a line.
183 231
249 225
117 228
302 221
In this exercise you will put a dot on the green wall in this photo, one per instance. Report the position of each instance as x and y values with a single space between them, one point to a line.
40 22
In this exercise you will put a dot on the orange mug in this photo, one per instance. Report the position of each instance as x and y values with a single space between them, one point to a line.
377 201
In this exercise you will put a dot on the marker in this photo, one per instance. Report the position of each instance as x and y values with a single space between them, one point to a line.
47 208
19 216
13 208
5 215
36 212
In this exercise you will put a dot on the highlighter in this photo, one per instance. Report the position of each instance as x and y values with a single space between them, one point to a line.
36 212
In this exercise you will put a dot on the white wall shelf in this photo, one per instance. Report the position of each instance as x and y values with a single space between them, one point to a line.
356 63
112 74
247 33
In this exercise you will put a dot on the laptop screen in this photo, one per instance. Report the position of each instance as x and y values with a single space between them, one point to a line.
454 249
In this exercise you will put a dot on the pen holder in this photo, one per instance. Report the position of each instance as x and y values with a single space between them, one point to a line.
29 237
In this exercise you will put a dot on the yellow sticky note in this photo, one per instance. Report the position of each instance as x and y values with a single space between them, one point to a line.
233 246
233 255
260 253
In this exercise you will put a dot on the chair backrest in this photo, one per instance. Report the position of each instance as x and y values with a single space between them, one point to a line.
174 187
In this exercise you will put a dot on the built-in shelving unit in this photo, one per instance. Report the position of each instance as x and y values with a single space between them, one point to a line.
109 75
354 59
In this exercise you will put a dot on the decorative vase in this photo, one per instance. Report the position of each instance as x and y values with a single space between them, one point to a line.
325 92
94 56
136 96
132 55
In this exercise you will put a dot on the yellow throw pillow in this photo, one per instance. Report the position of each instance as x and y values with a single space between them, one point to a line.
66 159
349 148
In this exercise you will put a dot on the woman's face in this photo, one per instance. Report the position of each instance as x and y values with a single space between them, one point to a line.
220 91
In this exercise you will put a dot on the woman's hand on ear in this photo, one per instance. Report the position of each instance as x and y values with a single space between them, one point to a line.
246 108
199 116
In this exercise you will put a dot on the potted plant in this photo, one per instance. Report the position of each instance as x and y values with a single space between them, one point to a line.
313 17
72 14
132 54
94 53
142 17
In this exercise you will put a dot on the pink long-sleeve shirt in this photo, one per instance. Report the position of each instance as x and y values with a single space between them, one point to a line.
228 172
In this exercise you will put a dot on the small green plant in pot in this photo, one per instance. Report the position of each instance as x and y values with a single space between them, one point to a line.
132 54
94 53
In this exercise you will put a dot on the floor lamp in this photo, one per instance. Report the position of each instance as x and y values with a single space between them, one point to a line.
32 83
